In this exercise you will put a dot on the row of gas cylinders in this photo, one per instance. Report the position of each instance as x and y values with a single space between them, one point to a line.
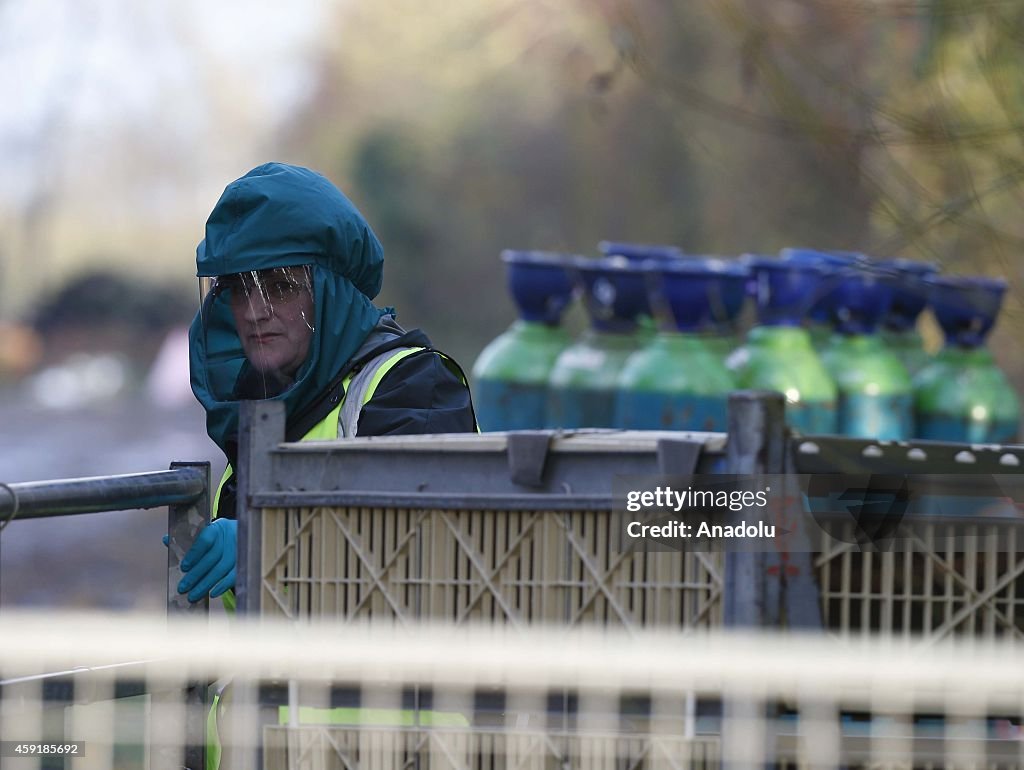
834 332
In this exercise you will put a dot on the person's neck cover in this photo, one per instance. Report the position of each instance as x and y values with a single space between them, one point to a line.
278 216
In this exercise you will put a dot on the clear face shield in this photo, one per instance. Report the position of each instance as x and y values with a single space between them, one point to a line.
258 326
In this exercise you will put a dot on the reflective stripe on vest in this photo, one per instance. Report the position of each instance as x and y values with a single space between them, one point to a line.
341 421
213 747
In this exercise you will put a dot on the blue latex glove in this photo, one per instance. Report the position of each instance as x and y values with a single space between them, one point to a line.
210 562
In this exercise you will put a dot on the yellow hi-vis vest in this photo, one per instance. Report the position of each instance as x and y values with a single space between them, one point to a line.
358 388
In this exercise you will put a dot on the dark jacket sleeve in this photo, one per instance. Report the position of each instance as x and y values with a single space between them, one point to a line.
420 394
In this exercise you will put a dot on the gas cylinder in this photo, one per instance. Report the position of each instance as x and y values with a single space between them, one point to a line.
582 386
780 355
676 382
962 395
510 377
875 393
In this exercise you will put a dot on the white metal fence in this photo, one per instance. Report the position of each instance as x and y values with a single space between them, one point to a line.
497 698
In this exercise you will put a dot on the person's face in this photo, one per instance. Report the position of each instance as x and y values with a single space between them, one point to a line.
273 311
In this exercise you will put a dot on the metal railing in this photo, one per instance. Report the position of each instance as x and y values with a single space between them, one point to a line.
183 485
185 491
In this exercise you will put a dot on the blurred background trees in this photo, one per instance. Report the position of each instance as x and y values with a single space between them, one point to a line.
461 128
724 127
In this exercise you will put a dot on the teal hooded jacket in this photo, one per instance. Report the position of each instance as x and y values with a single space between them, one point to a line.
279 215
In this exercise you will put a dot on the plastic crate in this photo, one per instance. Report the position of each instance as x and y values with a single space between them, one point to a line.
519 529
544 566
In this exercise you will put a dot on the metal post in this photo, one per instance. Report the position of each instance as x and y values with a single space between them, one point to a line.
184 523
756 447
261 428
801 600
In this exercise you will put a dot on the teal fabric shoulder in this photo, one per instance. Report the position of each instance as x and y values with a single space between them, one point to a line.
279 215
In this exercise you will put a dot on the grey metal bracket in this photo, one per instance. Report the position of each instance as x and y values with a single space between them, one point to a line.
184 523
678 457
527 456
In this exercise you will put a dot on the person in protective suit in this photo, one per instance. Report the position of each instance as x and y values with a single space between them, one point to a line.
288 270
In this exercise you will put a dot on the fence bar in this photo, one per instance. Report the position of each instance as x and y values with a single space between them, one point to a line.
40 499
184 523
756 446
261 428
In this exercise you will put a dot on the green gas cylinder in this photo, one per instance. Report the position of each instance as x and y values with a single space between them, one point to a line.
875 394
510 376
676 382
582 386
962 395
779 354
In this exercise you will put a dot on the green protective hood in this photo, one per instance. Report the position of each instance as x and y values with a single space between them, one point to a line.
278 216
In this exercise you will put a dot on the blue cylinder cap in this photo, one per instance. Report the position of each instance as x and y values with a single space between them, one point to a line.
910 294
965 307
614 292
680 292
786 289
733 278
639 252
539 283
822 258
861 298
822 311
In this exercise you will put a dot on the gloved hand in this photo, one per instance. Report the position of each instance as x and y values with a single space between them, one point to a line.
210 562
